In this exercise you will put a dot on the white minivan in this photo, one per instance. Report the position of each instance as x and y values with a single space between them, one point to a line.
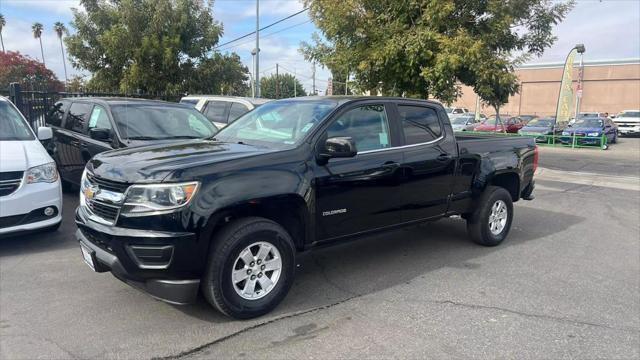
30 192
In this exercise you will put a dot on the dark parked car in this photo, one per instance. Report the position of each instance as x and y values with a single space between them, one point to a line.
590 131
84 127
226 216
542 127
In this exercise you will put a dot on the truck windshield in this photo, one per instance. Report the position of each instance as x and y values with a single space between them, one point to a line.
279 124
12 125
160 122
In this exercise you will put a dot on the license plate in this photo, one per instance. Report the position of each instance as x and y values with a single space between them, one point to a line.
87 256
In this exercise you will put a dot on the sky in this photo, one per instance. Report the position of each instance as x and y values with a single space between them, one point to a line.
610 29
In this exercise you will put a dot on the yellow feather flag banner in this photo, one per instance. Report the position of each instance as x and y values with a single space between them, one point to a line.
565 99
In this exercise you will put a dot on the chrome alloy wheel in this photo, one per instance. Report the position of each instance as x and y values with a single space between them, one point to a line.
256 270
498 217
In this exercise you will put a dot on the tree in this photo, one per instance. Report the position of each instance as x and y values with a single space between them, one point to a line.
3 23
31 74
289 86
37 28
77 84
219 74
61 30
427 48
155 46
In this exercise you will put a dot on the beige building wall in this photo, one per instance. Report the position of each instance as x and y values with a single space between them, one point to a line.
608 87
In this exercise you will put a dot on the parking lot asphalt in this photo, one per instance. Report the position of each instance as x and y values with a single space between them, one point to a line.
565 284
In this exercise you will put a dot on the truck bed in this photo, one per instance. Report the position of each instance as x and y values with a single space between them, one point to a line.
491 143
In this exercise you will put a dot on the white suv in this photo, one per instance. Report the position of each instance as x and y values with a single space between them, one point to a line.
222 110
628 122
30 192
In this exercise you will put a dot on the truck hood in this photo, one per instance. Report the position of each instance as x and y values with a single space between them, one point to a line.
153 163
21 155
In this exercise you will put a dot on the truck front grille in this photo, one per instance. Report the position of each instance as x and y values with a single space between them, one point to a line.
10 182
104 210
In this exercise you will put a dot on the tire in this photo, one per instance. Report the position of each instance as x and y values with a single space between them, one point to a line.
478 226
225 256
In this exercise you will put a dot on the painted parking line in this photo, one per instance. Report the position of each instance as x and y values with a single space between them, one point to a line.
585 178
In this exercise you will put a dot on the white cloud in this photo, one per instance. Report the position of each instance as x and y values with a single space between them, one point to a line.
273 7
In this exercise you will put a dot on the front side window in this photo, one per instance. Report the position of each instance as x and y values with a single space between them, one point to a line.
367 125
160 122
420 124
99 119
215 111
55 115
278 124
12 125
78 115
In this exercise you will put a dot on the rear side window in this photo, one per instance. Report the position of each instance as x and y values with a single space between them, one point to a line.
236 111
55 115
78 116
420 124
215 111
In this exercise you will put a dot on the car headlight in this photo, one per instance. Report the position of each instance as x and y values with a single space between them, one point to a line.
46 173
145 199
593 134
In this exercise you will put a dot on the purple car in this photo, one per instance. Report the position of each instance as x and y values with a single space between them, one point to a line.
589 131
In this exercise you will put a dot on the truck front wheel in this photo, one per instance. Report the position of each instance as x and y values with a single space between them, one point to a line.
489 224
250 268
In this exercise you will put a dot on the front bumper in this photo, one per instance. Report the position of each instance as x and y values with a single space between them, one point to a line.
23 210
155 262
629 130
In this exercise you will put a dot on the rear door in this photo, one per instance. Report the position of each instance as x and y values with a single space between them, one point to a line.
70 137
99 119
217 112
429 161
361 193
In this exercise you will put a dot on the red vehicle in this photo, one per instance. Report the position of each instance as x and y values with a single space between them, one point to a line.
512 125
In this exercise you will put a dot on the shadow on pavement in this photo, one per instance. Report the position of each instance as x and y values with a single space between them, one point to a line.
329 275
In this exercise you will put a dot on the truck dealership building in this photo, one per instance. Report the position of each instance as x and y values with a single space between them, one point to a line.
608 86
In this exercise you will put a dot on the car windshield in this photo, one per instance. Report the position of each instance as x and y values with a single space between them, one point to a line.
277 125
588 123
587 115
633 114
492 121
461 120
190 102
159 122
541 122
12 125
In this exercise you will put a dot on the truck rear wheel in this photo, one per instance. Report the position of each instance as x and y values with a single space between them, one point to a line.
490 223
250 268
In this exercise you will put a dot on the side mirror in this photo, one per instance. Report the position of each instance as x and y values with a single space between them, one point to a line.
338 147
100 134
44 133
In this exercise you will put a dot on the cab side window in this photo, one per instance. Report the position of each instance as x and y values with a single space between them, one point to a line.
99 118
367 125
236 110
78 116
215 111
420 124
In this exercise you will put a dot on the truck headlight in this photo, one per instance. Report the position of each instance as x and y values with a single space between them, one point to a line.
593 134
145 199
46 173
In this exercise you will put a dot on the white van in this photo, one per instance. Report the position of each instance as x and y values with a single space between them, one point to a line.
222 110
30 192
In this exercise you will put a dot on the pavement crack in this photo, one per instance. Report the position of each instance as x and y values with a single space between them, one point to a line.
247 329
537 316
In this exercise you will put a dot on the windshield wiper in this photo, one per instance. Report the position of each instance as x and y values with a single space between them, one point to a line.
141 137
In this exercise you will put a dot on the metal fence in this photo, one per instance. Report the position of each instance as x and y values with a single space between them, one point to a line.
35 105
570 141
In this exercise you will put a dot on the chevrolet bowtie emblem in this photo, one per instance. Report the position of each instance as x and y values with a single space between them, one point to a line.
91 191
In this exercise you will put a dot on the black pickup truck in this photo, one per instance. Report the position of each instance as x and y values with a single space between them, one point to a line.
227 215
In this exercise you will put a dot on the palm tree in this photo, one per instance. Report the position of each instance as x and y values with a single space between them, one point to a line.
37 34
3 22
61 30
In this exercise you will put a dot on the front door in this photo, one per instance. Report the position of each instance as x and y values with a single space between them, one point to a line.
99 120
358 194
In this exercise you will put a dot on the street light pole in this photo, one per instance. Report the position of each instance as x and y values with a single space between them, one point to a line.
253 77
257 77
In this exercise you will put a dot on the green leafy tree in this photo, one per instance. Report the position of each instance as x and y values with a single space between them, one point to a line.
3 23
289 86
61 30
37 29
425 48
154 46
219 74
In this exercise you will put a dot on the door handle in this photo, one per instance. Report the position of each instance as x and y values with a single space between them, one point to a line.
443 157
390 165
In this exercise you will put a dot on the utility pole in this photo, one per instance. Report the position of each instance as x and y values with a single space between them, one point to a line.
257 77
253 78
346 84
313 76
277 83
295 83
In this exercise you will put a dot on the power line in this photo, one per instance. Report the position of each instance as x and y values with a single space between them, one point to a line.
263 28
264 36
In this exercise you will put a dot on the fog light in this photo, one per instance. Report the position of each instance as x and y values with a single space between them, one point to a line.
49 211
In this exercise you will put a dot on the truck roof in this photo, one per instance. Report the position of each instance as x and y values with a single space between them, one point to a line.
343 99
121 101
